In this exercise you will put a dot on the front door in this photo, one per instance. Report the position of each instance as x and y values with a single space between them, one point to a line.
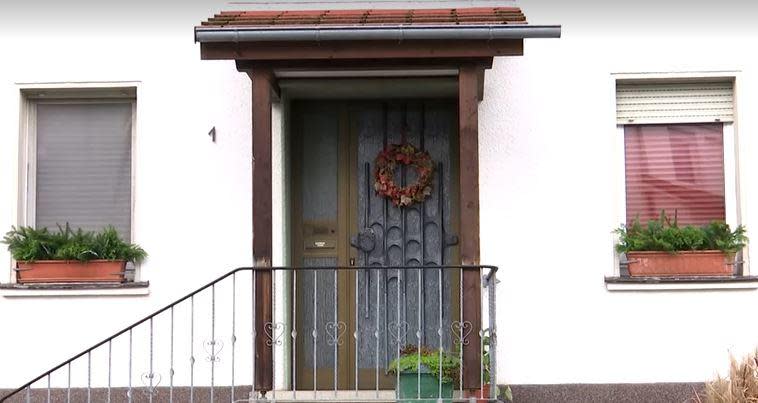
348 322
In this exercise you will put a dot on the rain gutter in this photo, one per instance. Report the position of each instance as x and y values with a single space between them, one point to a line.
233 34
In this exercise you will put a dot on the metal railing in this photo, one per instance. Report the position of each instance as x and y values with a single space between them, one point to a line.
335 332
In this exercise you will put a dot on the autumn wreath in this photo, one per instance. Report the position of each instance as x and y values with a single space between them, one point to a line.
384 174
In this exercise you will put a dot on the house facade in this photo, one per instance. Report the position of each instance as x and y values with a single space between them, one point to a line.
538 149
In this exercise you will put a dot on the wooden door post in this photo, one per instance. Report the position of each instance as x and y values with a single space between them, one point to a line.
262 231
468 134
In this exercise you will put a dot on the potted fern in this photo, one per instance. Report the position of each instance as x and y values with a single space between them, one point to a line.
65 255
425 373
663 248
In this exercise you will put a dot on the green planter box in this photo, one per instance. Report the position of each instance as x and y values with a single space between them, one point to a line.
413 387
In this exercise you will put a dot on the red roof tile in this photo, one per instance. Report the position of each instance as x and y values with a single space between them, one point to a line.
377 17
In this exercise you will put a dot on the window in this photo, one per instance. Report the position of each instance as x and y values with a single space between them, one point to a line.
675 148
79 158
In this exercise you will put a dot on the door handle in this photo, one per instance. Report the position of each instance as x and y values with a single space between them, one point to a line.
364 241
352 261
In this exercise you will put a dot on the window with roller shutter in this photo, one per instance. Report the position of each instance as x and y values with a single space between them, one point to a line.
79 159
674 148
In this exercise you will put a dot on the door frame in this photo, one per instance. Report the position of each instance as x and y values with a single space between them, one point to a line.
266 91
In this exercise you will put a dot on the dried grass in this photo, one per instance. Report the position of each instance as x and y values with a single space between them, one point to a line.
741 386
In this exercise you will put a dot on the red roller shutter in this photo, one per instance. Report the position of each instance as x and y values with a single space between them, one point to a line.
677 167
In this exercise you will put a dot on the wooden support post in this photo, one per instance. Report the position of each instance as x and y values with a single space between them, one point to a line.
468 128
262 231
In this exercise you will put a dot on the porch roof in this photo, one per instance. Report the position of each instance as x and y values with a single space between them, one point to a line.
477 23
444 16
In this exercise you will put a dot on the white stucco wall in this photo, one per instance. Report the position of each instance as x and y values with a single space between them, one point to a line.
548 181
192 197
548 192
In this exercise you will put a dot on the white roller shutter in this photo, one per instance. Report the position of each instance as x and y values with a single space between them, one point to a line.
84 166
675 102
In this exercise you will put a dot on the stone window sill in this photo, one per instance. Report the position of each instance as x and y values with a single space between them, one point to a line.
681 283
75 289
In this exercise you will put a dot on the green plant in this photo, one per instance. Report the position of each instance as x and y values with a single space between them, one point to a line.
442 364
505 393
108 245
28 244
486 359
665 234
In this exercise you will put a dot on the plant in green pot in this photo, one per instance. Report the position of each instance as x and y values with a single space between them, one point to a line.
664 248
425 373
67 255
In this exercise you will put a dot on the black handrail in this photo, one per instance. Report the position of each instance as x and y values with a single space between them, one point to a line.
492 270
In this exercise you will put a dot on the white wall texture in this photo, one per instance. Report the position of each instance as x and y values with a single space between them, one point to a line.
548 180
192 197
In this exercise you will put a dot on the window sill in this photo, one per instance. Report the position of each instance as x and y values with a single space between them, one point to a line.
681 283
74 289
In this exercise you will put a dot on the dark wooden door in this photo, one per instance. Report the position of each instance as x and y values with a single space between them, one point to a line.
335 208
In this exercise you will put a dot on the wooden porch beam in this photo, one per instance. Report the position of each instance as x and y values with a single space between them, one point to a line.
262 230
468 132
360 50
363 64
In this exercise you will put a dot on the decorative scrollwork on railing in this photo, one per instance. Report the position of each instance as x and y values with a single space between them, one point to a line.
274 333
151 380
397 331
213 348
334 332
461 331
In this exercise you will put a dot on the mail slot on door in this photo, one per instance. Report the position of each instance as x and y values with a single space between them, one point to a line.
319 236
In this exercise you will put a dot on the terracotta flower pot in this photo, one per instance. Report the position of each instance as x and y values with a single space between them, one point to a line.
691 263
71 271
482 395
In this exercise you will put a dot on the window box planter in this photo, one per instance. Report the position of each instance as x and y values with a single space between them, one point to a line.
694 263
69 256
662 248
71 271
